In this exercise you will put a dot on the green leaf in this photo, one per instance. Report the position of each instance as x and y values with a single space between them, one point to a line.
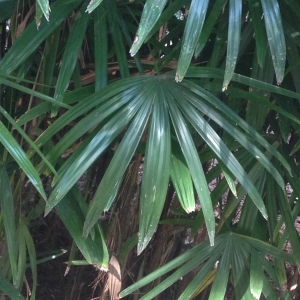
38 14
8 289
229 178
266 248
216 252
182 181
119 94
280 270
192 159
108 101
275 36
235 119
256 114
289 223
250 221
115 25
184 263
156 170
209 24
259 30
191 35
22 256
127 247
101 46
32 37
49 59
256 274
32 256
206 72
70 56
221 150
269 291
165 17
44 6
32 259
110 183
50 255
21 158
233 41
72 211
233 130
8 219
217 145
218 288
93 5
27 139
248 295
151 13
83 161
29 91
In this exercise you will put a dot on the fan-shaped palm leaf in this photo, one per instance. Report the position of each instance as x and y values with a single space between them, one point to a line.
164 96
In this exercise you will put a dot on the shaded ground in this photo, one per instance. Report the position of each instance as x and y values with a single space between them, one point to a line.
53 284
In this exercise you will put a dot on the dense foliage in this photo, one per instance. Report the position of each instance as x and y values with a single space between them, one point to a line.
164 136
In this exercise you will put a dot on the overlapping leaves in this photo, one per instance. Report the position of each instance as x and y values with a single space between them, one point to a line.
193 30
169 118
167 106
235 255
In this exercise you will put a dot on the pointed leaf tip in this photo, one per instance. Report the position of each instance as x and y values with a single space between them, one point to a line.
276 37
151 13
177 78
191 35
233 43
132 52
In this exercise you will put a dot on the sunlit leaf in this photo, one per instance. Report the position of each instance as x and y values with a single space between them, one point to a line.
110 183
193 162
218 146
93 5
95 147
233 41
256 274
275 36
182 181
21 158
191 35
156 170
151 13
44 5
